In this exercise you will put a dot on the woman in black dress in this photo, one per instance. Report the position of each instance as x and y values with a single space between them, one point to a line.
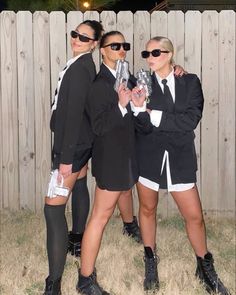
167 159
113 157
72 142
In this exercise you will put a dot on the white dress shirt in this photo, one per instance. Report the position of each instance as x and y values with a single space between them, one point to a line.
155 117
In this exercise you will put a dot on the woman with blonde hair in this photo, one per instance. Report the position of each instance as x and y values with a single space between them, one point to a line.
167 159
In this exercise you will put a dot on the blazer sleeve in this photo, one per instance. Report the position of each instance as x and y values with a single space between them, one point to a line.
188 119
79 83
104 112
143 123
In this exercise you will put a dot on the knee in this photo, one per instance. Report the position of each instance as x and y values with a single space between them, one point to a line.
101 218
195 219
148 210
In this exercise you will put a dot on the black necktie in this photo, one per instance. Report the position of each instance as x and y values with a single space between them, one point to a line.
167 96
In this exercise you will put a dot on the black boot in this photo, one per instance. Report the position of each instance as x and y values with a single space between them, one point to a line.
52 287
74 244
151 281
89 285
132 230
207 275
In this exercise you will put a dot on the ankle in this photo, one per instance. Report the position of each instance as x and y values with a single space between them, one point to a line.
129 220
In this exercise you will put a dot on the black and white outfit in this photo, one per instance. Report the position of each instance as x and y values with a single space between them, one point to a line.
72 145
113 157
165 138
70 123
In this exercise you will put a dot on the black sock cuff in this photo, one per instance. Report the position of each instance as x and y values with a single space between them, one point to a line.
54 206
78 180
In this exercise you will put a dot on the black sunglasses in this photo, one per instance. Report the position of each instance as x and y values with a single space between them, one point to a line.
82 38
154 53
117 46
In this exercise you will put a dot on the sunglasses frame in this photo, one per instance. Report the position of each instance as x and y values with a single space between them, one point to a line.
81 37
146 54
124 44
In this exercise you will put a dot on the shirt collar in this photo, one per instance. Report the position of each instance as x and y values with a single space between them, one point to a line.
169 78
111 70
73 59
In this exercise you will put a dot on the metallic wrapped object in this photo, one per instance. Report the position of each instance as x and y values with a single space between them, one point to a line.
144 80
56 188
122 73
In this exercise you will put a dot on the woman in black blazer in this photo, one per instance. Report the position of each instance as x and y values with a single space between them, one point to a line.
167 159
72 142
113 156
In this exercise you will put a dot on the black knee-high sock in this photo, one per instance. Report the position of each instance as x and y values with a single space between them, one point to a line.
57 239
80 205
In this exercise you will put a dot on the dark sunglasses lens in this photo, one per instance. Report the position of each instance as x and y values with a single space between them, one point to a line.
156 52
74 34
83 38
115 46
145 54
126 46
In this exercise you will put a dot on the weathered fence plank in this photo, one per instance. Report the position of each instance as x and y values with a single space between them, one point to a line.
108 20
227 106
159 23
42 104
125 25
9 124
192 64
94 15
57 46
26 109
209 139
74 18
141 36
176 34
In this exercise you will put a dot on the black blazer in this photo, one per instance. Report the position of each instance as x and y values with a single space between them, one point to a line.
174 134
113 156
70 122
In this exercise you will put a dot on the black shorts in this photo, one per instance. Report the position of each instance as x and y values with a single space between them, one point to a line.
79 160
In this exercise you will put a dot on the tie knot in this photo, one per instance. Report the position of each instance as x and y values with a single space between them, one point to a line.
164 81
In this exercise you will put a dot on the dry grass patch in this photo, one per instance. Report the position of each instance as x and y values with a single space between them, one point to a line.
120 263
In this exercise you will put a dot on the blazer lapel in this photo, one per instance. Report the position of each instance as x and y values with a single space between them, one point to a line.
104 71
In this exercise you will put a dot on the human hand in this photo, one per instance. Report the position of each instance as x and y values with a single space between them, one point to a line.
65 170
124 95
179 71
138 96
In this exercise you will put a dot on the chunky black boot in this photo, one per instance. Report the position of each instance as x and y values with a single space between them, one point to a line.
89 285
151 281
207 275
132 230
74 244
52 287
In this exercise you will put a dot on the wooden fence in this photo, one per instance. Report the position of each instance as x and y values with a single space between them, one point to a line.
35 47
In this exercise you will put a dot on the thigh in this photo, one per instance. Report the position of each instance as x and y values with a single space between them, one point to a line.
104 202
126 194
147 197
83 171
69 183
188 202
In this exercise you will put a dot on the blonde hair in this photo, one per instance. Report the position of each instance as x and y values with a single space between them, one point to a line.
166 44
